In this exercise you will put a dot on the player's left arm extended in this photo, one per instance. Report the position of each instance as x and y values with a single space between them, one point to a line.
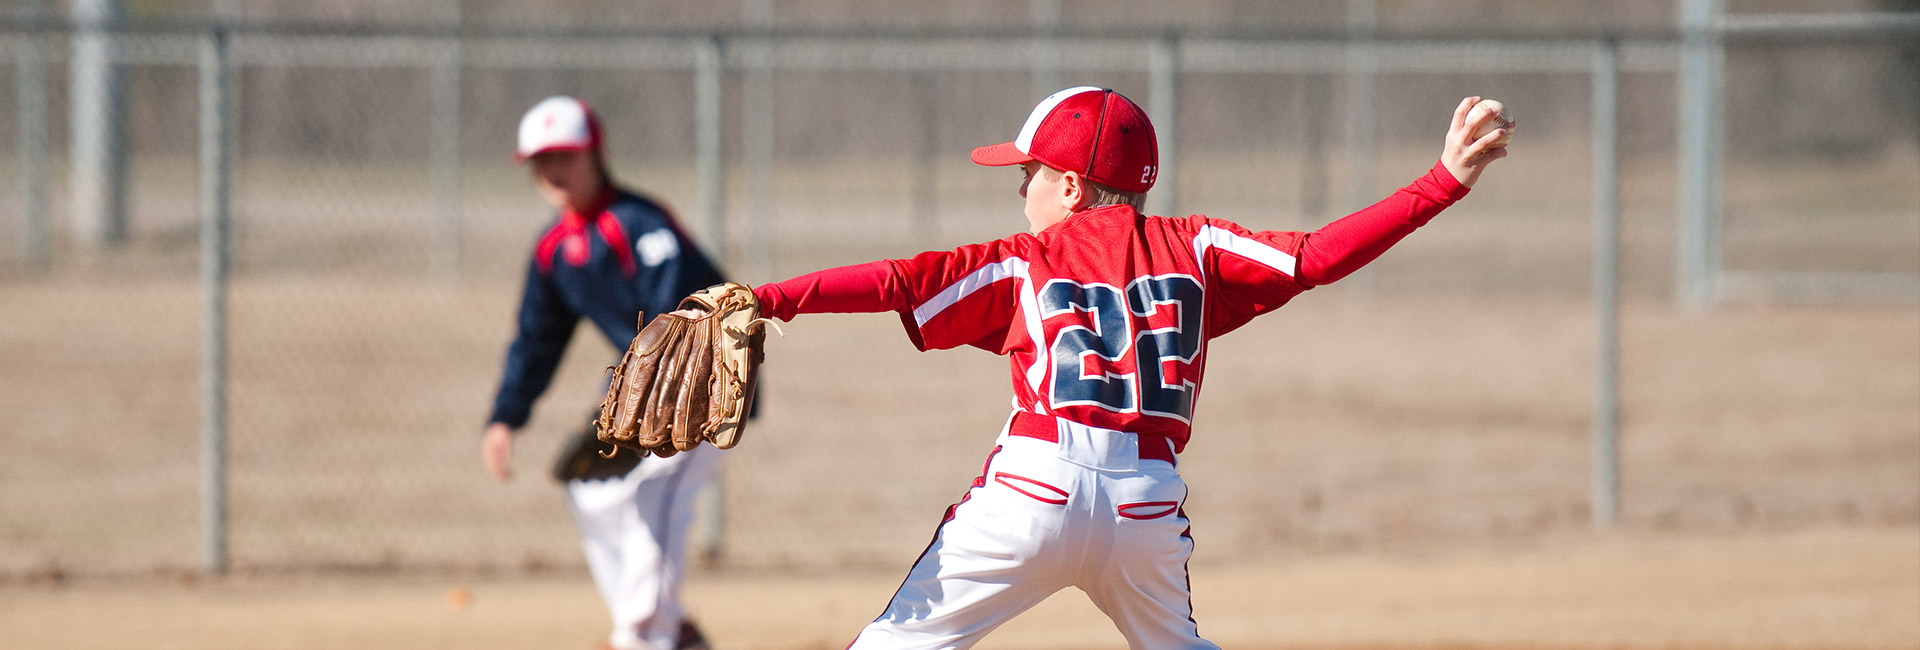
945 299
860 288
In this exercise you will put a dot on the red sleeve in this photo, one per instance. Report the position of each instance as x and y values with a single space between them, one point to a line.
945 299
1248 273
1344 246
860 288
966 296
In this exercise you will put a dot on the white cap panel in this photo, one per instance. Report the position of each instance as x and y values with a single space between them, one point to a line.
1025 142
557 122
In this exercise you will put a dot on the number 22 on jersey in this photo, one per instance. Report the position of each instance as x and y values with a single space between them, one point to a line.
1125 351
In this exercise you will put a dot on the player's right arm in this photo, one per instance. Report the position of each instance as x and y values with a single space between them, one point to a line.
1251 273
545 326
1342 247
1256 272
1463 156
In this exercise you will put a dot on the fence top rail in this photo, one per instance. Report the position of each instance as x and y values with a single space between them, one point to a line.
1743 27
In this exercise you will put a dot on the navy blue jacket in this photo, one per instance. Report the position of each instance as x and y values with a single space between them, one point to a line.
617 267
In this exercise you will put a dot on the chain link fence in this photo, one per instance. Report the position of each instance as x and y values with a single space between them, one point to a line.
1444 392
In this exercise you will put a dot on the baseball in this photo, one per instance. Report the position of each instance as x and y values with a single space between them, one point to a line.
1502 119
459 598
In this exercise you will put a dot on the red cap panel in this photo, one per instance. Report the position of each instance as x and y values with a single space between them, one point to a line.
1096 132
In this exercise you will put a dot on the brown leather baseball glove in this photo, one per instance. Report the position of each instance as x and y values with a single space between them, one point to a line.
686 380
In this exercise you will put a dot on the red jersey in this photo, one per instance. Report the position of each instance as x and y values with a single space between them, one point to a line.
1105 316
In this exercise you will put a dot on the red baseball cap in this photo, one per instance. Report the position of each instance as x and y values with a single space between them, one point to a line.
1095 132
558 123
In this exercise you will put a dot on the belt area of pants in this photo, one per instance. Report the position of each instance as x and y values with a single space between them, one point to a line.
1153 446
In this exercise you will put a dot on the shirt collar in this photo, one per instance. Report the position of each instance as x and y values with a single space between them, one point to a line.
1090 215
593 212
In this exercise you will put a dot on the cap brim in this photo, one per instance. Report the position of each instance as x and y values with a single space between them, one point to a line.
1000 155
575 146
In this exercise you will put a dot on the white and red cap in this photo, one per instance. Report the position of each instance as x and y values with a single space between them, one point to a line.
1095 132
558 123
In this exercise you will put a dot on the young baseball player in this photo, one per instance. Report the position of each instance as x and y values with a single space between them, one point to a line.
610 256
1105 315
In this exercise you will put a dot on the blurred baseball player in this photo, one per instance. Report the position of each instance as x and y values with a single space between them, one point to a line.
611 256
1105 315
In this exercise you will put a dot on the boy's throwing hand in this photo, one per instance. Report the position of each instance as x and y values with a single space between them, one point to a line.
1464 156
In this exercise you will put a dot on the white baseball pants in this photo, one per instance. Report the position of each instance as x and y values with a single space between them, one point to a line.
1084 512
634 531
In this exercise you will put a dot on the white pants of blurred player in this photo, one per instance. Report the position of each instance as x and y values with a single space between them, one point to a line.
634 530
1083 512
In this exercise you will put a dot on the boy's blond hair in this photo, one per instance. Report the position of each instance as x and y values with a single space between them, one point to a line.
1102 195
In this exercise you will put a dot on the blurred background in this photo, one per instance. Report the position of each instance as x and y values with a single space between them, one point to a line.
334 177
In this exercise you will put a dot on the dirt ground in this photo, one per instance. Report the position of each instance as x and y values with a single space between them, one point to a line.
1415 478
357 404
1856 587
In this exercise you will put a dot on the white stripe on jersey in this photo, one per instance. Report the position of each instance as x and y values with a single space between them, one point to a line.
1227 240
980 278
1043 353
1007 269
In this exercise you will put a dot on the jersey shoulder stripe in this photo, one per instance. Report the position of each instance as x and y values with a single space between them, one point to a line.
617 241
1215 237
1007 269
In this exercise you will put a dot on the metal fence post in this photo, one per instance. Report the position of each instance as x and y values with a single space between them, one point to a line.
1362 64
30 86
757 134
1606 288
97 127
1044 17
925 168
1163 82
1362 20
710 167
757 120
1314 175
709 59
446 139
214 186
1701 145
